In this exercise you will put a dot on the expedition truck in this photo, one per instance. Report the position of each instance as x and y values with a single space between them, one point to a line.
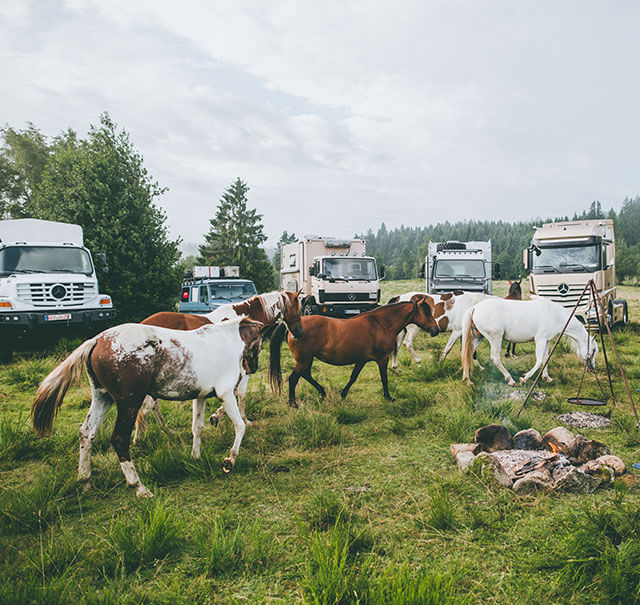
47 278
454 265
564 256
209 287
336 277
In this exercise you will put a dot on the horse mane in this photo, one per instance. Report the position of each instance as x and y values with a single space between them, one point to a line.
271 302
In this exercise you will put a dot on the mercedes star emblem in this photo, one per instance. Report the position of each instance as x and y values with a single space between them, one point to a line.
563 289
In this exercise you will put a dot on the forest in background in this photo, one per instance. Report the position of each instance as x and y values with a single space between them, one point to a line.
402 251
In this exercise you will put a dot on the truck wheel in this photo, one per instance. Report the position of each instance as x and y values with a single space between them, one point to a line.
609 317
6 353
308 309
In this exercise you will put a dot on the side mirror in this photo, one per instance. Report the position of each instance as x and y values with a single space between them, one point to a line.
421 272
381 272
496 271
101 259
525 258
312 271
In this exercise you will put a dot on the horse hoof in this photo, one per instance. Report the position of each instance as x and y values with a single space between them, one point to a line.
143 492
86 485
548 378
293 404
469 383
522 381
213 419
227 465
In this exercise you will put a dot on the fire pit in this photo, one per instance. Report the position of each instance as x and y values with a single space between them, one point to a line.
528 462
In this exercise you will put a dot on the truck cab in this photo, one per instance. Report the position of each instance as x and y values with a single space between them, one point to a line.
336 276
455 265
47 278
210 287
564 256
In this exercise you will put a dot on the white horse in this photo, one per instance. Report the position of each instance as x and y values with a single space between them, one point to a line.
540 320
449 316
130 361
266 308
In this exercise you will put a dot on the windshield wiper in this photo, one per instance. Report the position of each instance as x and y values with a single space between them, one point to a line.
543 267
221 298
24 271
582 267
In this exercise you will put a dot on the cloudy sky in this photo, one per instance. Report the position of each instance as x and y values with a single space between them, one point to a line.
343 114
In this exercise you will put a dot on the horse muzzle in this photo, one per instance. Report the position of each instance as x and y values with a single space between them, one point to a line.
298 332
434 331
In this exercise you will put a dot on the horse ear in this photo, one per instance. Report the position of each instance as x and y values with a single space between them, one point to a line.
297 294
510 283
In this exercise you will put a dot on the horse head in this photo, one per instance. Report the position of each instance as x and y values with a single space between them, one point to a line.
515 291
292 313
587 350
251 333
423 315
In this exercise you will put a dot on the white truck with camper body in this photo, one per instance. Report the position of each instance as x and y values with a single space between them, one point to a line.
455 265
564 256
336 277
47 278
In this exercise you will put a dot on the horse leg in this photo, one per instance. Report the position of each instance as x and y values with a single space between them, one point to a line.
476 343
452 340
148 405
197 424
316 385
545 372
121 438
382 367
412 332
230 405
541 348
241 393
496 347
394 356
100 403
354 376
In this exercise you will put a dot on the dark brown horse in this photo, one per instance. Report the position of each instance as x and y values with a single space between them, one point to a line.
266 308
370 336
515 293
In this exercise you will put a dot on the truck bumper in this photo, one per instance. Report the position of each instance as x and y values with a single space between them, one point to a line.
26 320
335 310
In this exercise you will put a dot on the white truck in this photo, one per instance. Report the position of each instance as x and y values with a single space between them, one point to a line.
564 256
47 278
336 277
454 265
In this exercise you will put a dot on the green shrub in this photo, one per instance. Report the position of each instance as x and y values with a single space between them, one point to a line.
349 415
28 373
323 509
18 441
315 430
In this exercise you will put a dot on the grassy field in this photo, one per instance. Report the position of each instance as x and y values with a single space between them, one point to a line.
336 502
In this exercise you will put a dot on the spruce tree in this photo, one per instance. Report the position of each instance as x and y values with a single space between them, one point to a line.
235 236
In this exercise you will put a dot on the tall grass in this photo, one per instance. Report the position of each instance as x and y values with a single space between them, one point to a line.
226 548
144 537
39 503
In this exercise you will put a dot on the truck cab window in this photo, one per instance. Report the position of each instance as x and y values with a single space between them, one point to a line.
204 295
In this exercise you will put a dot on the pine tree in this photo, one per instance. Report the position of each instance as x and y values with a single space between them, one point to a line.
235 237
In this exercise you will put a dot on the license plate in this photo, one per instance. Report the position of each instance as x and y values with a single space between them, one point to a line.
351 311
57 317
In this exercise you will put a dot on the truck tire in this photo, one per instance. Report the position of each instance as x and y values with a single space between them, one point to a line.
309 309
6 352
625 310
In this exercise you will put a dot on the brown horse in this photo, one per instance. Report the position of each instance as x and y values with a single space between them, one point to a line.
370 336
266 308
515 293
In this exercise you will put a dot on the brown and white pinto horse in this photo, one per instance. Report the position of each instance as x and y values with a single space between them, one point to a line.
266 308
367 337
130 361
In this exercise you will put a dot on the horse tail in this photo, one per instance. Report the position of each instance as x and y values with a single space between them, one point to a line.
467 345
275 373
54 387
393 300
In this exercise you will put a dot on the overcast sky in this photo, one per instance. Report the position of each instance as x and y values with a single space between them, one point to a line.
340 115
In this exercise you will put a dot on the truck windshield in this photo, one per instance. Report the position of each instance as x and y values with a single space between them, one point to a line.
567 259
349 268
44 259
232 291
460 268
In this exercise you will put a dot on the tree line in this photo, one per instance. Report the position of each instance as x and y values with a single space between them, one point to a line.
402 250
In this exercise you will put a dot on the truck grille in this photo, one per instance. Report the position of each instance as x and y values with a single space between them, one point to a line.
58 293
348 297
567 300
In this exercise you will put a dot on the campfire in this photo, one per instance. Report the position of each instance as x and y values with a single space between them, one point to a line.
528 462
